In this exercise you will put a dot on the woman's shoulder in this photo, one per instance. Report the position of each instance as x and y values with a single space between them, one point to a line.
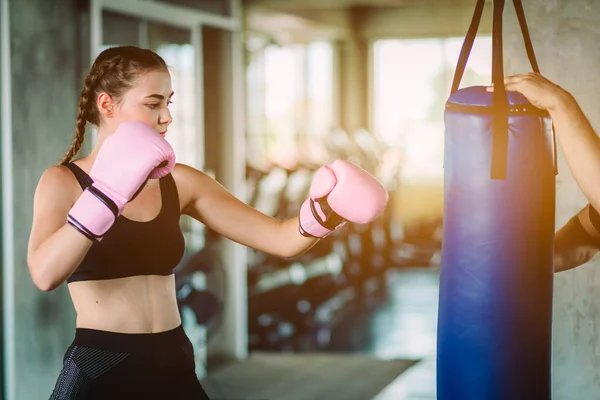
58 181
58 176
185 174
190 182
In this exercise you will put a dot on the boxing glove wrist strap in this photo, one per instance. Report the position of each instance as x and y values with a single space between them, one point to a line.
318 223
332 219
93 213
304 233
82 229
107 201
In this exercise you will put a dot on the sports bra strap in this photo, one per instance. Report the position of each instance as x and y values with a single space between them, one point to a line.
83 178
170 196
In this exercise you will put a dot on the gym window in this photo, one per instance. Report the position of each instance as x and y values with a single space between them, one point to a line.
290 96
411 82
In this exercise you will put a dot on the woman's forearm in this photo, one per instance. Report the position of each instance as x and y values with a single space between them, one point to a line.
292 240
52 262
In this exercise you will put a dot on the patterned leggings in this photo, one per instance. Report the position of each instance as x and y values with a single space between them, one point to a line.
109 365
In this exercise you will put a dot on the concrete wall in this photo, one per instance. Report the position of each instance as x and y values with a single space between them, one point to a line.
567 44
46 79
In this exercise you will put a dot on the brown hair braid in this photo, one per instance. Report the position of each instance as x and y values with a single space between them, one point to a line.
114 71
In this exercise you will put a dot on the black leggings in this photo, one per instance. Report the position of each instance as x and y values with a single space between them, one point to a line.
109 365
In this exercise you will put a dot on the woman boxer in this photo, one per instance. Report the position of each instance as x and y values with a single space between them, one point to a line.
579 240
108 225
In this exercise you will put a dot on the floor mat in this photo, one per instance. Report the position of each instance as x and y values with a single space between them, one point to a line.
303 376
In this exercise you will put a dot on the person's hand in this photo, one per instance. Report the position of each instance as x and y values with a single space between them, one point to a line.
540 92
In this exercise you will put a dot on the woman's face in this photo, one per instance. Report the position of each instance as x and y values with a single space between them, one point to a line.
147 101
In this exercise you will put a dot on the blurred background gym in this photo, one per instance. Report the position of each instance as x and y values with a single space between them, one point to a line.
267 91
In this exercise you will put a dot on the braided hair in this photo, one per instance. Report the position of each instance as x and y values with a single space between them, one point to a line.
114 71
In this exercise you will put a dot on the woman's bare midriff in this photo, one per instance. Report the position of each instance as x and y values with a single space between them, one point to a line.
138 304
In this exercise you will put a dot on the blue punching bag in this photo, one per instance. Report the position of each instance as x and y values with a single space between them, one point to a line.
495 301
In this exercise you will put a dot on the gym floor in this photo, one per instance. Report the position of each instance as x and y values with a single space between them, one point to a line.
402 325
398 327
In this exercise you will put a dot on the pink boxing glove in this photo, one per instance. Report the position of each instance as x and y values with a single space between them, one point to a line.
133 154
341 192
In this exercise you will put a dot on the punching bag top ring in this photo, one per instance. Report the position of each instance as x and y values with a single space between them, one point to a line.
477 100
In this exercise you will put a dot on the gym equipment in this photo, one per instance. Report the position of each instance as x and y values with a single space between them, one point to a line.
495 301
200 287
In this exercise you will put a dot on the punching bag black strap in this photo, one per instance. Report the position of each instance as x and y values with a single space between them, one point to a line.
472 33
500 101
526 37
534 65
465 51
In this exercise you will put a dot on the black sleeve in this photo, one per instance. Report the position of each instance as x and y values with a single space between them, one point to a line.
589 221
594 218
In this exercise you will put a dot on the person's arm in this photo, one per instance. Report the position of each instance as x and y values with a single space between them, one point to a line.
339 192
55 248
579 143
578 241
581 147
206 200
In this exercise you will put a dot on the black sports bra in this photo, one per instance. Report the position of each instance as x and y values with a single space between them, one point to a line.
132 248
